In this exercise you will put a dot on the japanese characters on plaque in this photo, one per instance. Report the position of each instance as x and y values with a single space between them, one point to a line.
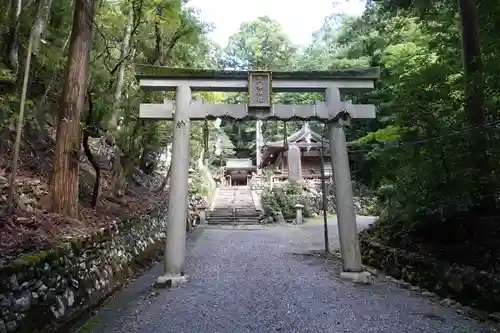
180 124
259 90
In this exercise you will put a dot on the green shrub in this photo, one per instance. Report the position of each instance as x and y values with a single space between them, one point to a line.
279 203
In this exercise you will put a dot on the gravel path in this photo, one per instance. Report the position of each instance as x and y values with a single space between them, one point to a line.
266 280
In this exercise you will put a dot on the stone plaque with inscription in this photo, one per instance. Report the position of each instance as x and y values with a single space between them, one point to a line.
259 90
294 164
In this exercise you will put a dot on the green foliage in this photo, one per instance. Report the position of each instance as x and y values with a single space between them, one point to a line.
161 32
198 188
260 44
279 203
419 146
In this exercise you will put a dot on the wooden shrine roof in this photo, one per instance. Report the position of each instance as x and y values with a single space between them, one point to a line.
304 135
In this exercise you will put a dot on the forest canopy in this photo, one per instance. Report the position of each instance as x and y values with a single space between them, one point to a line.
429 153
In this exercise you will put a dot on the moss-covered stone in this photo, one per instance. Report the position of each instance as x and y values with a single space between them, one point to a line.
464 283
86 327
65 280
36 258
21 263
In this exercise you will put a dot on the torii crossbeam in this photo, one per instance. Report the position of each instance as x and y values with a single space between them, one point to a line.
260 85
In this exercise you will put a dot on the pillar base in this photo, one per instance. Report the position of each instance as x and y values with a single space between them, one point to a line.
169 281
357 277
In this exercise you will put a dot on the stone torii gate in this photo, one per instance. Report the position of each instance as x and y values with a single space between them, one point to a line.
260 85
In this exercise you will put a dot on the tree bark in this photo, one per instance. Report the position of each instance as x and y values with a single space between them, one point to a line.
158 39
39 112
13 43
92 131
64 180
7 6
472 63
42 17
120 80
117 179
165 180
11 192
123 166
474 102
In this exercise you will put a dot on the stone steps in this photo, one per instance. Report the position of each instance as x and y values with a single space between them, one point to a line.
234 206
233 217
250 222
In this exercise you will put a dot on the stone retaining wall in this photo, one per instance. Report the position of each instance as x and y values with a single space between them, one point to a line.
52 287
464 284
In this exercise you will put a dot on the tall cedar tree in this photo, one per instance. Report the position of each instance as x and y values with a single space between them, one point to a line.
64 180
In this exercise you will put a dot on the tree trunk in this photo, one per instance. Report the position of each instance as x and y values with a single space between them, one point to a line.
123 165
11 192
472 63
144 163
117 169
120 80
13 43
87 133
91 131
117 179
165 180
474 100
7 5
158 33
42 16
122 176
39 111
64 180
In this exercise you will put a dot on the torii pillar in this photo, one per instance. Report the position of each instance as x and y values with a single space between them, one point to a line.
344 199
178 196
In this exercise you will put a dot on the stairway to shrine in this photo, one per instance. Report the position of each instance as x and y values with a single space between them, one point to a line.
234 206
